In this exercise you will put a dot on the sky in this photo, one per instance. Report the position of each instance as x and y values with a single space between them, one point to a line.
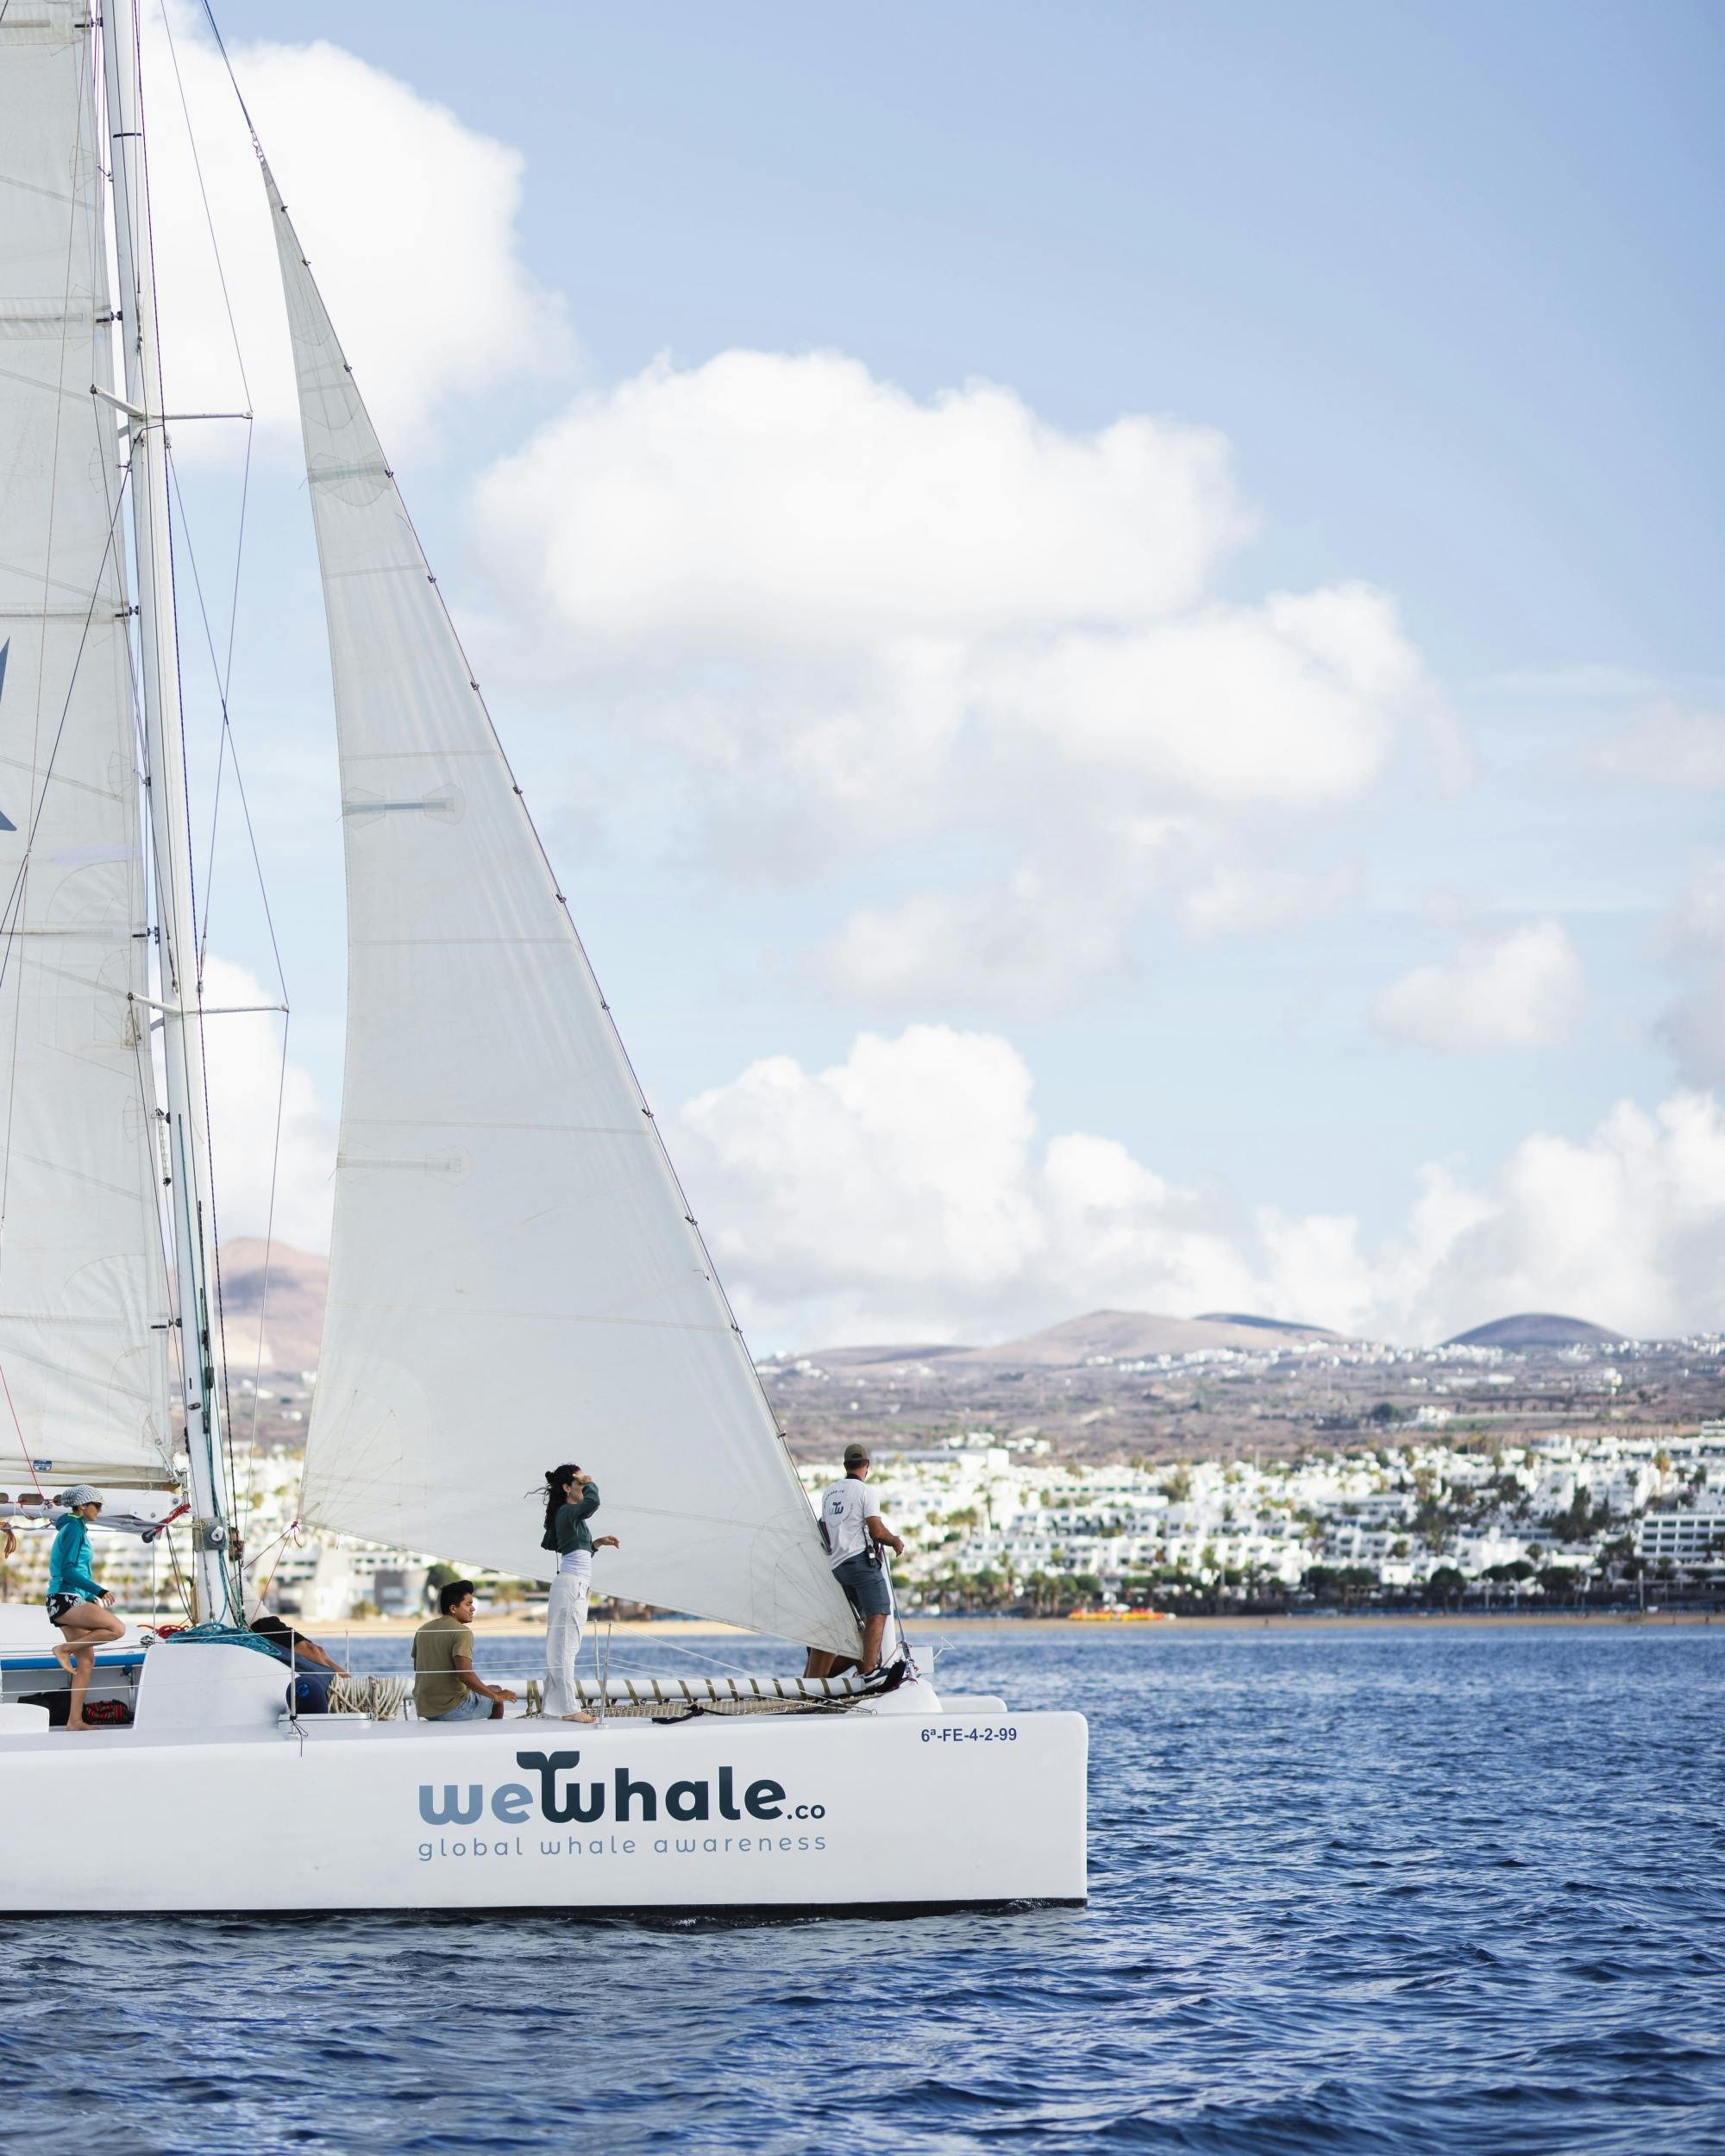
1109 615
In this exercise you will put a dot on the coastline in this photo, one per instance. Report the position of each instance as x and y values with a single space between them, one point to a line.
497 1626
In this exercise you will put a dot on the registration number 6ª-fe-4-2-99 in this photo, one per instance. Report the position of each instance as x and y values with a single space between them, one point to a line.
972 1733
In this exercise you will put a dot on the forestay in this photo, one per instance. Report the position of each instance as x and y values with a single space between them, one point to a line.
514 1279
83 1293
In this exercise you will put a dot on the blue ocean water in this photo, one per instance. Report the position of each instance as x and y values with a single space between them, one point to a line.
1455 1889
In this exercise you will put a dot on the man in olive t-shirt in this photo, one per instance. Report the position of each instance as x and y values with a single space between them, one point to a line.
445 1689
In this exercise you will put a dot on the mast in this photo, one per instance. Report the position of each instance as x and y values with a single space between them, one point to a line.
186 1173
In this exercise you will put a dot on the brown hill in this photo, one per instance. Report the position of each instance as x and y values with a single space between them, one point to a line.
848 1358
1269 1325
1125 1336
1536 1329
290 1315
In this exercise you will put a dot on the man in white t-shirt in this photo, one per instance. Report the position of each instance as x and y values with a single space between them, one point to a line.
856 1541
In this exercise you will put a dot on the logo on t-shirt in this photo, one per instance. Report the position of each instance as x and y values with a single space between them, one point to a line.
846 1508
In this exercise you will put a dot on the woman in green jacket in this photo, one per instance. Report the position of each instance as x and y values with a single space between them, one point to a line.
571 1500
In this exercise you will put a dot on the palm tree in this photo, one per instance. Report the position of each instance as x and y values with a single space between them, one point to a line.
1448 1583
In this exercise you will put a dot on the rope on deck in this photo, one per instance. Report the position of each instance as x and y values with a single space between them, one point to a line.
381 1697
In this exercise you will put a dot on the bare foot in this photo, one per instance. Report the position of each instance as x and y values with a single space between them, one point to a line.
63 1656
575 1718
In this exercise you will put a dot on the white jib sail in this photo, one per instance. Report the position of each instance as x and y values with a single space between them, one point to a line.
83 1288
514 1279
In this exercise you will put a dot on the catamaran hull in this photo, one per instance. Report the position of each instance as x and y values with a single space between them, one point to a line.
853 1812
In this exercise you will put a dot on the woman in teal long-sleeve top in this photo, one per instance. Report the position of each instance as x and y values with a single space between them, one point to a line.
83 1609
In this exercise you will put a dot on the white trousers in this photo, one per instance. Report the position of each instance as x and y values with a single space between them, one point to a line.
565 1621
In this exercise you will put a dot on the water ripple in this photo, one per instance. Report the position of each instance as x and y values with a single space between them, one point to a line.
1403 1895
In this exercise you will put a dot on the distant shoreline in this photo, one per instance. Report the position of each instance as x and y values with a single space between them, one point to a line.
516 1627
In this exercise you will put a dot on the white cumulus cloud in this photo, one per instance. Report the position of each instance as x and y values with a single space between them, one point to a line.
907 1193
1053 920
1293 702
1521 988
244 1061
1240 898
1625 1227
1694 1025
774 501
906 1189
1019 943
407 214
857 619
1666 744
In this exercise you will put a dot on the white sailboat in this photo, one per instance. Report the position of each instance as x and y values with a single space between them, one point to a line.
514 1273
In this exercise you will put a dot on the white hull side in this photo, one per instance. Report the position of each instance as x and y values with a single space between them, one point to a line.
887 1811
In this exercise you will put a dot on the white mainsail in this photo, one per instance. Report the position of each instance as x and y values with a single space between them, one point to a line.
515 1280
83 1283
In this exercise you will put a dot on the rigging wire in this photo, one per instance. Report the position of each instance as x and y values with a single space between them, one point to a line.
13 904
41 777
177 496
153 1120
667 1166
151 1117
269 1254
289 1533
221 47
223 671
231 746
281 1085
167 934
228 745
197 1200
239 555
731 1669
177 1176
19 1428
204 196
257 860
182 1585
148 208
176 939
